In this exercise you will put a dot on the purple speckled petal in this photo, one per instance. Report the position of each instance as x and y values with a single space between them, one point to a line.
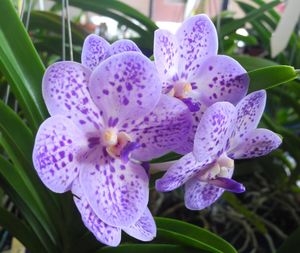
180 172
161 131
144 229
197 39
118 192
249 112
125 86
55 152
104 233
65 91
199 194
259 142
123 45
214 130
165 56
95 50
221 78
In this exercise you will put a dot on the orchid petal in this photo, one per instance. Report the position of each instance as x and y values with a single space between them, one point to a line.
249 112
161 131
257 143
144 229
95 50
118 192
197 39
165 55
180 172
221 78
199 194
55 152
123 45
104 233
214 130
65 91
125 86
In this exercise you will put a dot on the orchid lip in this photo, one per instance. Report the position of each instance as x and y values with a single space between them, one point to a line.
228 184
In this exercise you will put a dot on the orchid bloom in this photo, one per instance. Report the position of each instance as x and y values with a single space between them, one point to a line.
106 116
191 70
224 133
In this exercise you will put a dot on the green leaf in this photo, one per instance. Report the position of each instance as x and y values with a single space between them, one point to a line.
237 23
21 65
147 248
21 231
22 197
270 77
189 234
252 63
291 244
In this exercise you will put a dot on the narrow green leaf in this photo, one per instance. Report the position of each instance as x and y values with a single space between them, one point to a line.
21 65
21 231
270 77
202 235
235 24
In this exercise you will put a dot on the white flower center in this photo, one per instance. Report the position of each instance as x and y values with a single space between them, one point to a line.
180 90
115 141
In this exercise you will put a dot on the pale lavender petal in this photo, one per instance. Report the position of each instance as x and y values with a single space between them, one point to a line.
180 172
165 56
199 194
197 39
123 45
249 112
144 229
125 86
161 131
56 149
65 91
118 192
214 130
95 50
228 184
221 78
257 143
104 233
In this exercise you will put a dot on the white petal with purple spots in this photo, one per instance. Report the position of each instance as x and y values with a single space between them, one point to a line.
65 91
104 233
165 129
214 130
257 143
165 55
123 45
180 172
144 229
221 78
125 86
249 112
118 192
95 50
56 150
197 40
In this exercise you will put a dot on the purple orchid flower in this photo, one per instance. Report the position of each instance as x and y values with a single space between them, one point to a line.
224 133
191 70
103 119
